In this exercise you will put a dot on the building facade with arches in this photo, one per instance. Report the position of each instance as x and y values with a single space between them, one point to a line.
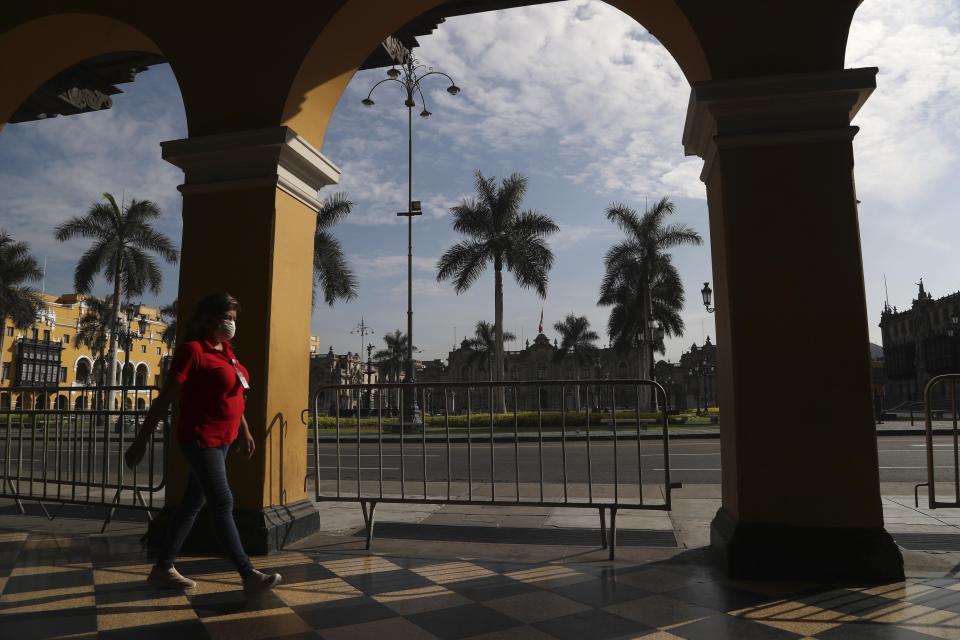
771 111
47 354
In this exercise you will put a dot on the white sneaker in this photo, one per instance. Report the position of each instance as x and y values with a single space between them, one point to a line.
258 581
170 579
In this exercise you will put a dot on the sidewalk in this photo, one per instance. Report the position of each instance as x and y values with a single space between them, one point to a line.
62 578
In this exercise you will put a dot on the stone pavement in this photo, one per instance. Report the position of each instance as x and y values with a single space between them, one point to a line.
64 579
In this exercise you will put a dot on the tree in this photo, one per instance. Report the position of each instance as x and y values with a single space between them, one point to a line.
667 297
168 313
19 302
390 361
577 342
499 233
123 241
94 330
483 344
330 268
640 281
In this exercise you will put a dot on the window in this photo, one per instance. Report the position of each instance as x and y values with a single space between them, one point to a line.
66 338
158 350
143 348
5 374
63 374
9 332
46 335
541 372
33 334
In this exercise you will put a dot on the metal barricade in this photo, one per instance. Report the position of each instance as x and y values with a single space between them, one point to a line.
950 379
558 443
65 445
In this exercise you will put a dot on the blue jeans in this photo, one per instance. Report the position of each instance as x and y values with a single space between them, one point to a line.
208 485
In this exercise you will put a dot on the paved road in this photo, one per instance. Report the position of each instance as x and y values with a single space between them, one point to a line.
902 459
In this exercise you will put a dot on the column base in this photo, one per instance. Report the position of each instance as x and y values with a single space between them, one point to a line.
784 552
262 531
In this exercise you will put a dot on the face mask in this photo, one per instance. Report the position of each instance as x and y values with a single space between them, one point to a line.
226 329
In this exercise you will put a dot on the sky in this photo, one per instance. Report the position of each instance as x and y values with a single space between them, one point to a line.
581 100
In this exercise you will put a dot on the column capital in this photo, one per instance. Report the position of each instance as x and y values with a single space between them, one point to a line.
786 109
253 158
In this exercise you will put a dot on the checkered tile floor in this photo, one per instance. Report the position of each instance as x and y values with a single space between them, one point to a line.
86 587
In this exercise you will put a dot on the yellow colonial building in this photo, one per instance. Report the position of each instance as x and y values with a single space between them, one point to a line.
45 367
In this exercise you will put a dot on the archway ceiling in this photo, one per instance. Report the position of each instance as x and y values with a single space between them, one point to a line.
89 85
394 50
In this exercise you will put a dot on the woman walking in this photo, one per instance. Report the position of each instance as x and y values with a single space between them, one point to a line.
211 386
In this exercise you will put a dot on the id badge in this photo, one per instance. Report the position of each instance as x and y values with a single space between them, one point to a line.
243 381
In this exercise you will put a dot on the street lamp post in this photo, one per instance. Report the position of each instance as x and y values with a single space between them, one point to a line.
699 373
363 330
369 377
707 294
409 76
128 335
655 334
954 332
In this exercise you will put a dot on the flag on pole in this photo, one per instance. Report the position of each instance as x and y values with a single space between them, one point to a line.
540 329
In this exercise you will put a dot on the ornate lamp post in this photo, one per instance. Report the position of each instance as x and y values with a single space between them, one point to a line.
127 335
707 294
409 76
954 332
369 376
363 330
655 334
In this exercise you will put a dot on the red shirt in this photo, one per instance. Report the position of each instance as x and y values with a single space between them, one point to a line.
211 396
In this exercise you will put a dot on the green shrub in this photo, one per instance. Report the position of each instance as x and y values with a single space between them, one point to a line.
524 420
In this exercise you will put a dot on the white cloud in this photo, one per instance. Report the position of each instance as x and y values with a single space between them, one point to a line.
573 234
422 288
55 169
607 106
909 136
604 108
385 266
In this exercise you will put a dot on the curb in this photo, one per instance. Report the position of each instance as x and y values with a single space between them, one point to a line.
509 438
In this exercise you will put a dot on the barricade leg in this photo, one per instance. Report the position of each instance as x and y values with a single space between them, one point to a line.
603 528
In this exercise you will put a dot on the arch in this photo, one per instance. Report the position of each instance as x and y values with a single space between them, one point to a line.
354 31
78 37
18 401
141 404
41 402
62 403
98 366
125 374
4 400
80 403
128 403
83 369
142 375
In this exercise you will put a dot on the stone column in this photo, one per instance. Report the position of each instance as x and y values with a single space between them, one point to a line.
801 492
249 214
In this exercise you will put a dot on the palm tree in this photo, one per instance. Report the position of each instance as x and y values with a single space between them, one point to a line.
498 232
391 361
483 344
330 268
124 240
19 302
577 341
168 313
626 298
94 330
640 281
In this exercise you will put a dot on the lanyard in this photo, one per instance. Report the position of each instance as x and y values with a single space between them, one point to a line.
240 377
